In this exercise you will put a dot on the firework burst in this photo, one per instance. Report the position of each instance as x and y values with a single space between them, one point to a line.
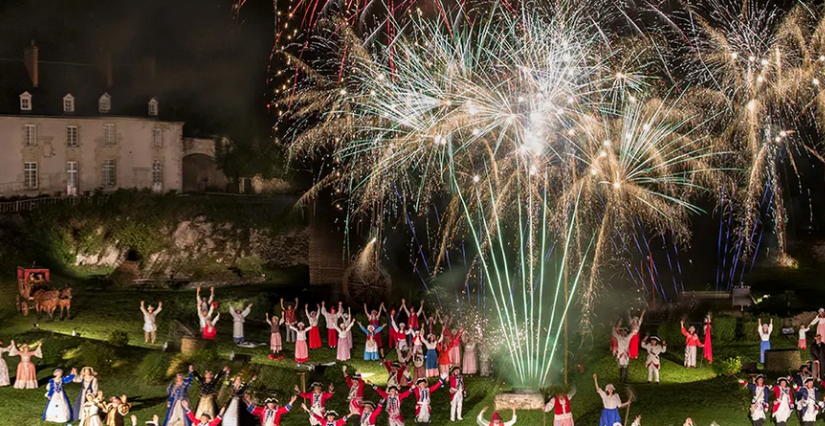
760 69
536 129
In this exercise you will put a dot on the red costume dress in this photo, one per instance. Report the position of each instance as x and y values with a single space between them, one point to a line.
443 358
314 332
634 341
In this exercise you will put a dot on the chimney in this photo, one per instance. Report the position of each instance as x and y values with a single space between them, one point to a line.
30 58
104 64
149 67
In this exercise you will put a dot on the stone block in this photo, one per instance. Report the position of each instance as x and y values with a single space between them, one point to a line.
782 360
525 400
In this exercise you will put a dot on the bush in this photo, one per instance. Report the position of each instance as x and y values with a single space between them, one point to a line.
96 355
334 373
250 266
727 366
152 369
118 338
205 356
278 379
53 348
723 329
671 332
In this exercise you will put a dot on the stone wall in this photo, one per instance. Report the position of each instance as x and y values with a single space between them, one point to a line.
198 244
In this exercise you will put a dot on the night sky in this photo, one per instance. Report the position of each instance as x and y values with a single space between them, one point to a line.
211 64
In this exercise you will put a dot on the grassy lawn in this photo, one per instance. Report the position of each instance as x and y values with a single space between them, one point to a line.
697 393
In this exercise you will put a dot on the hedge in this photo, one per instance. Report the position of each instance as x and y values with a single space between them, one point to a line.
723 329
671 332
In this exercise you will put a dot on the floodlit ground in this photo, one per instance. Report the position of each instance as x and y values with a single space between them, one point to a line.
695 393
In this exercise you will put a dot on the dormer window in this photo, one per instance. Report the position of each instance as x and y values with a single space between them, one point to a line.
153 107
26 101
104 104
68 103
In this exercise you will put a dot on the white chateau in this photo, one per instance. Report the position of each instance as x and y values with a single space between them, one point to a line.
71 129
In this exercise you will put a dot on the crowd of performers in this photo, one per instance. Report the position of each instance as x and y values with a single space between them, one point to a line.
426 346
91 408
626 343
430 356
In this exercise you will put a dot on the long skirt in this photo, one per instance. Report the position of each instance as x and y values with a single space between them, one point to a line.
79 403
455 355
610 416
301 352
764 345
206 405
420 373
484 365
332 337
176 416
26 376
443 369
58 410
563 422
275 343
314 338
432 363
4 372
90 416
378 342
469 366
634 346
343 349
690 356
236 414
803 344
370 355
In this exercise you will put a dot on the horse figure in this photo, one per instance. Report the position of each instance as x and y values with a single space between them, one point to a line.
46 301
65 302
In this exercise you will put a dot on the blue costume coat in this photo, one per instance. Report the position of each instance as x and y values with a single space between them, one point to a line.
752 387
176 395
57 386
802 396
